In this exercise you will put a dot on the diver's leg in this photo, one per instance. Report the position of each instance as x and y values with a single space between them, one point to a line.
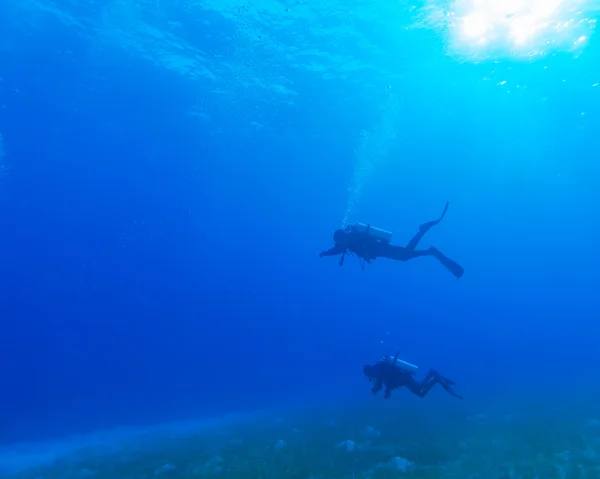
421 388
424 228
399 253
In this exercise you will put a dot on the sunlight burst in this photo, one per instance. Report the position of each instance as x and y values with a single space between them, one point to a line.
520 26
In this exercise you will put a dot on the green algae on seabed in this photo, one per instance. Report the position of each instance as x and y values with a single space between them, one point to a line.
436 441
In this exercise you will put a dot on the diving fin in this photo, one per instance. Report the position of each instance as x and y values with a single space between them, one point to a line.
451 391
447 385
451 265
425 227
442 379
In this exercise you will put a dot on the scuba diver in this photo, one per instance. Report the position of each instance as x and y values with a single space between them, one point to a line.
370 243
394 373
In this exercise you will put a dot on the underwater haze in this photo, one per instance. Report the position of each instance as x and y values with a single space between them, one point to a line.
170 171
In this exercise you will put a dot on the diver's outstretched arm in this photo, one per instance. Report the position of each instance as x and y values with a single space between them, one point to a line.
332 252
425 227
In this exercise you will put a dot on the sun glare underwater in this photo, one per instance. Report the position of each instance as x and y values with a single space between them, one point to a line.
518 29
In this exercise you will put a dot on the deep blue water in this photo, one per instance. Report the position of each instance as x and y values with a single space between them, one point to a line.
157 264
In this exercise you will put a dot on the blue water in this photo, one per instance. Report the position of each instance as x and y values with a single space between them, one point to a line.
171 171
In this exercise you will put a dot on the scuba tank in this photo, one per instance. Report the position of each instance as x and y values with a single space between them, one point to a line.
405 366
375 233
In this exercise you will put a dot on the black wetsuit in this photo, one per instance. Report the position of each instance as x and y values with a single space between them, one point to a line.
352 241
385 373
